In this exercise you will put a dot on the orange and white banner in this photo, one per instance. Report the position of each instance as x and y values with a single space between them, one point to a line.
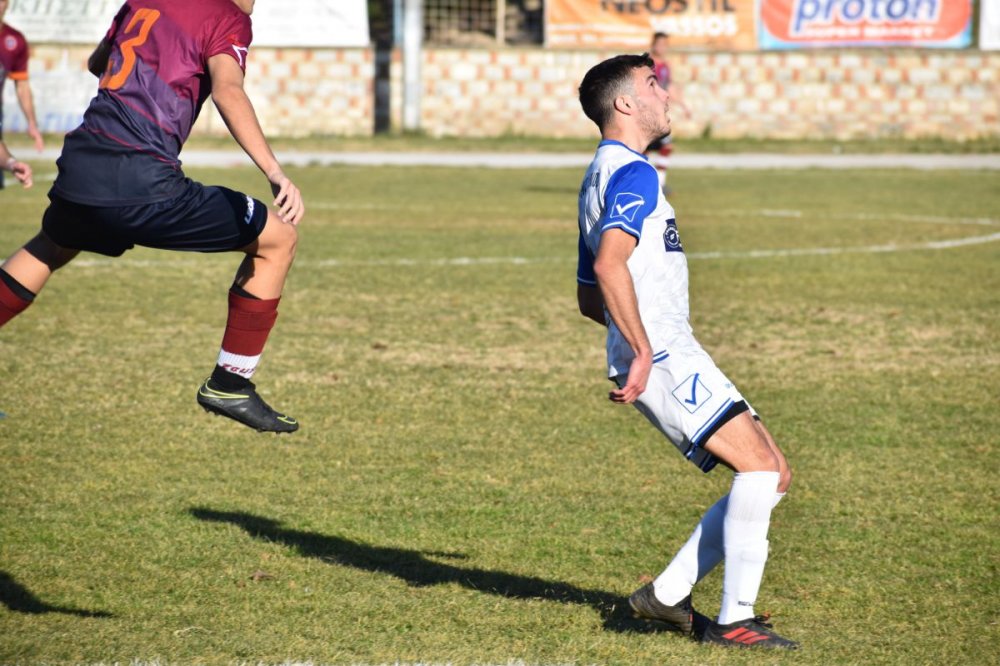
721 24
794 24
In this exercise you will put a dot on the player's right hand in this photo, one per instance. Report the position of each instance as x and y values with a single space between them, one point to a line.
23 174
638 375
287 198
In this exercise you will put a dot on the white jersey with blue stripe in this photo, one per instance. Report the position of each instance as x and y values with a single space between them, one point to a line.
621 191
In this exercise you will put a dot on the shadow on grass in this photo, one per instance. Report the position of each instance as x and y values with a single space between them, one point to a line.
19 599
415 568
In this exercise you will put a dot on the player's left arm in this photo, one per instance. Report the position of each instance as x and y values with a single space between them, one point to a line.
27 103
21 170
241 119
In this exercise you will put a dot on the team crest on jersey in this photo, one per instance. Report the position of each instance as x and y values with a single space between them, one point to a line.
672 239
625 207
10 43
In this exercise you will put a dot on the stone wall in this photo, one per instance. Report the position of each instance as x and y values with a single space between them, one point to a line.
489 92
821 94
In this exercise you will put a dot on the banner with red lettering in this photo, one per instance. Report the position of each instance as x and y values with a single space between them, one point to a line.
722 24
794 24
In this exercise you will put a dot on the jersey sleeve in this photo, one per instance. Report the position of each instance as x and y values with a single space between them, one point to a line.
585 265
19 60
232 35
630 196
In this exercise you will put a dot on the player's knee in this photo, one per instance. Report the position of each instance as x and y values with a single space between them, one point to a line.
759 459
291 241
279 241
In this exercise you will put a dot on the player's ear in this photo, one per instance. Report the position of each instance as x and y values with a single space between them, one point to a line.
625 104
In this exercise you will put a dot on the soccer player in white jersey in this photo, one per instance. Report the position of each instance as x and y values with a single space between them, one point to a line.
633 278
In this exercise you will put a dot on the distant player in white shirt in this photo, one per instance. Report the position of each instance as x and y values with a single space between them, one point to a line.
633 278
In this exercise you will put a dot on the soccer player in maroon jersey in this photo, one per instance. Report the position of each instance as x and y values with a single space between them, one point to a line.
14 65
120 182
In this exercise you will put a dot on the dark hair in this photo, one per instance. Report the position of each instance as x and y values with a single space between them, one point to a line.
607 80
658 35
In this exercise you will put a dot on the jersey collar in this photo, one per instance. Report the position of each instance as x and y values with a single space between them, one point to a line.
612 142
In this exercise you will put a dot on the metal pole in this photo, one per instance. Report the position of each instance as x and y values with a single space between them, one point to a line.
501 22
413 37
397 22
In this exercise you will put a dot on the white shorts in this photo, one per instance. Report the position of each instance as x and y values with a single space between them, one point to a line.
688 398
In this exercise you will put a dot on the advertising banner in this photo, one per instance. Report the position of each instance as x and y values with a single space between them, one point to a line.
333 23
794 24
989 25
721 24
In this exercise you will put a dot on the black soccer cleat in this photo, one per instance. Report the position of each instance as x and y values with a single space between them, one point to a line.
645 605
754 632
245 406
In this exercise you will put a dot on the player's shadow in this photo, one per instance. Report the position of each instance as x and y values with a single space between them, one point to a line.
415 568
19 599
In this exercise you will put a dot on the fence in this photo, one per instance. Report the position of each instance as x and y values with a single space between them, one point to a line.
483 23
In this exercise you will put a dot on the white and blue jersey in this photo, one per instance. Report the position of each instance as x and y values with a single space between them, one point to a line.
686 397
621 191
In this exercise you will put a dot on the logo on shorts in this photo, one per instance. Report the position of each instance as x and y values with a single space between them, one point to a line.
249 215
692 393
626 206
672 239
10 43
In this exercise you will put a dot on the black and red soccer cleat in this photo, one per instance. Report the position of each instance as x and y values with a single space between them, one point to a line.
245 406
754 632
645 605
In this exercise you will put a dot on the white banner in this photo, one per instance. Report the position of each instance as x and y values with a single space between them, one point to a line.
989 25
295 23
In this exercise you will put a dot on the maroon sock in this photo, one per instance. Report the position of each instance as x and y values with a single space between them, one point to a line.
14 297
250 321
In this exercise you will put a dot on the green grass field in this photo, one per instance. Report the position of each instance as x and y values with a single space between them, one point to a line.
461 490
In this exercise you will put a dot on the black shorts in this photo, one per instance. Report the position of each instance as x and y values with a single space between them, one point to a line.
201 219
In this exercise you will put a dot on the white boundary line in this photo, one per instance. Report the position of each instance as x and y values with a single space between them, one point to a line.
222 159
946 244
98 262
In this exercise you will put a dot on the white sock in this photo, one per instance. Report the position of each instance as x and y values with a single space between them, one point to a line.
696 558
748 515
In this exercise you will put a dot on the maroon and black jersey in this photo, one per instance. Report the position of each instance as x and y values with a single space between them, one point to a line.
157 79
13 58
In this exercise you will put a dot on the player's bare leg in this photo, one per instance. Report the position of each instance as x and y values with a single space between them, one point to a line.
253 309
24 274
268 259
749 450
785 478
